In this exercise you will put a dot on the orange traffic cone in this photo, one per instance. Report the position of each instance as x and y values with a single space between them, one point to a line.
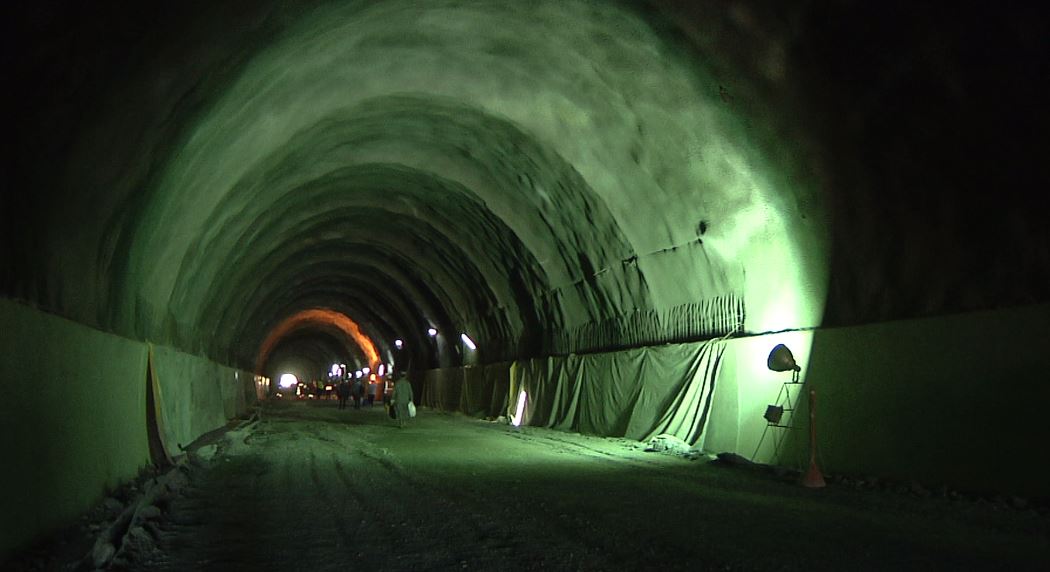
813 478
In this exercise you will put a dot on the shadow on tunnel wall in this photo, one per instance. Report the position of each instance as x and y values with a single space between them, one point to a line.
958 401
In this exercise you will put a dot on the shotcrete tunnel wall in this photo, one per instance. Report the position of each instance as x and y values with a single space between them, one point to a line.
558 197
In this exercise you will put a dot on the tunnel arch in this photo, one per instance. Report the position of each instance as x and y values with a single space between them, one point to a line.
594 149
365 237
318 319
308 354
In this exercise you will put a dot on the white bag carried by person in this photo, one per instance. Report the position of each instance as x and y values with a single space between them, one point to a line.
411 409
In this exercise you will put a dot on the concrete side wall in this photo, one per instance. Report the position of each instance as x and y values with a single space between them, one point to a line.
196 395
73 415
958 400
72 420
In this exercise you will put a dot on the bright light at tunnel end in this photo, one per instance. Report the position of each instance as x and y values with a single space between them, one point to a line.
432 332
288 381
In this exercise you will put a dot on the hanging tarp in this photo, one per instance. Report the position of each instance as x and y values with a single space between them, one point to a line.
473 398
612 383
442 388
478 391
684 399
497 377
637 393
565 396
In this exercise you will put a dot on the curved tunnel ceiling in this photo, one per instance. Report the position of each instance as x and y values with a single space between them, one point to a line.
319 319
308 354
546 176
518 173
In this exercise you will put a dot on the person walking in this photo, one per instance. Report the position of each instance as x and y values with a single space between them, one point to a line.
343 391
401 398
358 392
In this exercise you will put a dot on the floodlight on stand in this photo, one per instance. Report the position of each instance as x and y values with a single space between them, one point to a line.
781 359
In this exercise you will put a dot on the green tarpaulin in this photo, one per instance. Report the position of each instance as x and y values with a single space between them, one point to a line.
636 393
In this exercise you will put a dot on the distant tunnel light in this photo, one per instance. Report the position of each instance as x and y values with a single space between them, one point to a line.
382 366
516 420
466 340
288 380
366 369
432 332
335 369
399 344
358 374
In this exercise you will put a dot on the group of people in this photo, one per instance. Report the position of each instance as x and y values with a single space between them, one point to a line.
347 390
400 402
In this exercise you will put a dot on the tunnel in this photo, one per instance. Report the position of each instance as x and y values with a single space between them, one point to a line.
628 202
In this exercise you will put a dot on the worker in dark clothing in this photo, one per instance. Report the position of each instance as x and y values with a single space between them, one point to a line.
343 391
358 393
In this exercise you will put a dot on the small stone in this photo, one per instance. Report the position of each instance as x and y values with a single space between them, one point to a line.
112 505
102 554
150 512
139 533
207 452
918 489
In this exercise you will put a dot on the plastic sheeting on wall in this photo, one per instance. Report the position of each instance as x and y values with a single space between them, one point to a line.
636 393
478 391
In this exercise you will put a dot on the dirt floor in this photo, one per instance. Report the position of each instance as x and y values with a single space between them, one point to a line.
309 487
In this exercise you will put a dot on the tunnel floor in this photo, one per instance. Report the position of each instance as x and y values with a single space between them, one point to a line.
311 487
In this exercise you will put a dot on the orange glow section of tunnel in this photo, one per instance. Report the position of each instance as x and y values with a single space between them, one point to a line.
317 316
